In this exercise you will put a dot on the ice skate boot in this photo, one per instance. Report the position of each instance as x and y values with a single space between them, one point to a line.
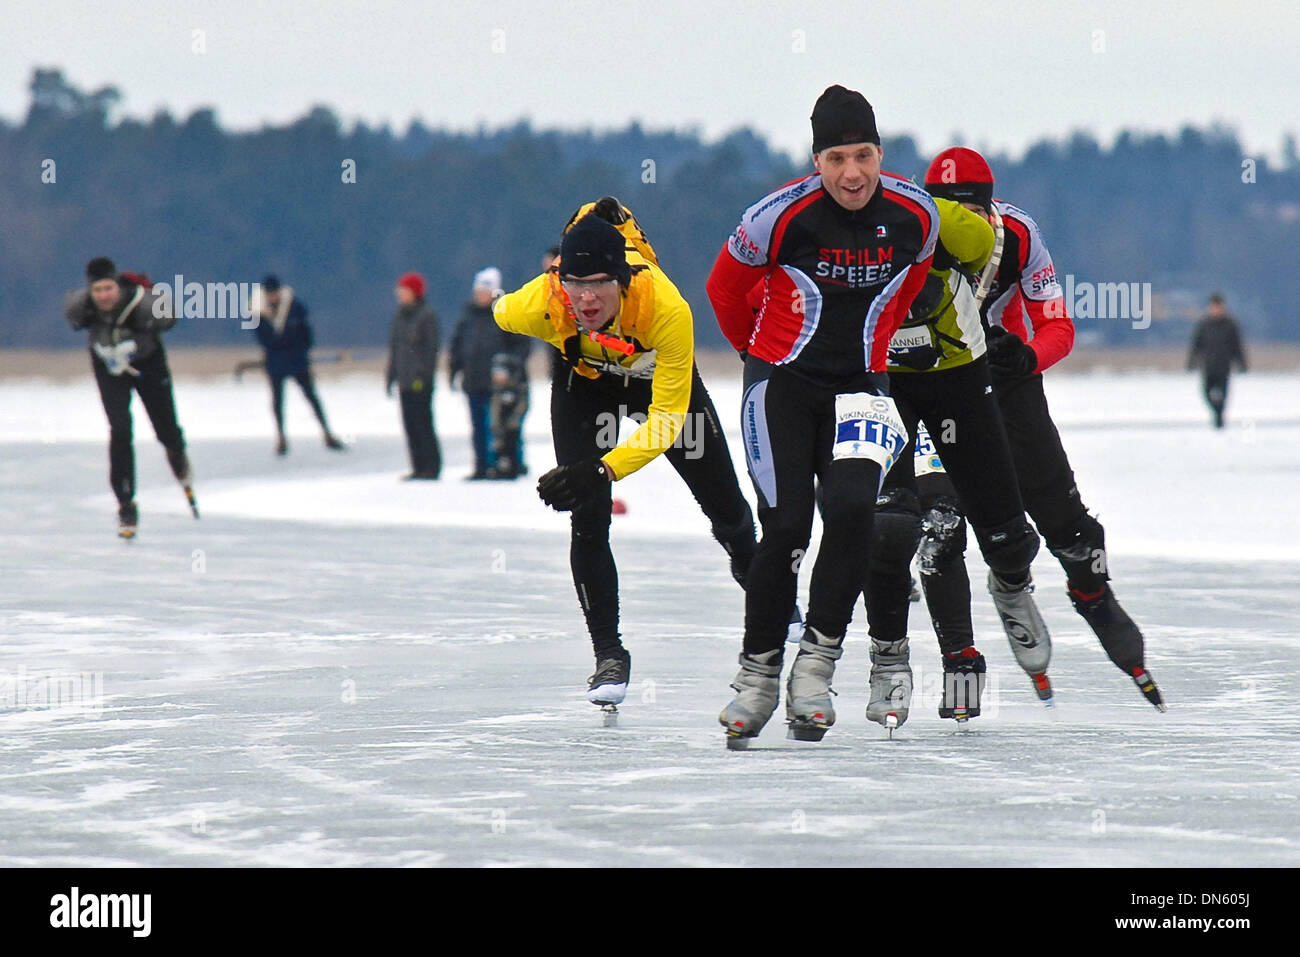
608 686
759 687
808 707
128 518
963 684
891 683
1026 631
1119 636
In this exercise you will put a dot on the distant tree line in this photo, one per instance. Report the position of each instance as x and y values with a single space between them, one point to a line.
1188 214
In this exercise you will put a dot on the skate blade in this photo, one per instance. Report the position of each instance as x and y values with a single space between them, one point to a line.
126 533
194 505
803 730
738 742
609 715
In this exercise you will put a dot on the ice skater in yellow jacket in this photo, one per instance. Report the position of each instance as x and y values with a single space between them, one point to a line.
627 339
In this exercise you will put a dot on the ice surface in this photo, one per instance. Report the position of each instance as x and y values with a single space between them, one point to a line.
336 668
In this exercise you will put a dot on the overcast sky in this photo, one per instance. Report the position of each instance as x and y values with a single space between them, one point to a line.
1002 74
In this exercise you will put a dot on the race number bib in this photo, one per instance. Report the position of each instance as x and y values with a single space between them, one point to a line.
926 459
868 427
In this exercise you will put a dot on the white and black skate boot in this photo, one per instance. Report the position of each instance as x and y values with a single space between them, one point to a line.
963 684
1026 631
808 707
891 683
608 686
758 684
128 518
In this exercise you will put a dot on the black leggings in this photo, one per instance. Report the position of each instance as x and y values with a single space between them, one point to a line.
582 413
962 416
1051 497
154 384
308 386
788 425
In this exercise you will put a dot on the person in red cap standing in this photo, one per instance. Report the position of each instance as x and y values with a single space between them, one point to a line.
1023 285
412 359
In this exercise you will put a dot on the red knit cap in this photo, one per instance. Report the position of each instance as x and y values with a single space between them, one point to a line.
414 282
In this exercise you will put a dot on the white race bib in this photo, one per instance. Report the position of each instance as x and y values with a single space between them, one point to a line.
868 427
926 460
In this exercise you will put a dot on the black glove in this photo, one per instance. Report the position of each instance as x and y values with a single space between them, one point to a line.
565 487
1008 355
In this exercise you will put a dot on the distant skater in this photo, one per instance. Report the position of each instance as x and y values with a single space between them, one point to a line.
286 336
1216 345
125 323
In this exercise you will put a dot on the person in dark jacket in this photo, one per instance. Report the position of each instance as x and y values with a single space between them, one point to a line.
476 342
286 336
412 361
1216 345
124 320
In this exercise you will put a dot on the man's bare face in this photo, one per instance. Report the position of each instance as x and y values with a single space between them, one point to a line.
850 173
105 293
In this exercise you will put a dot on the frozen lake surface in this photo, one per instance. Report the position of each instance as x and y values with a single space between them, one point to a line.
336 668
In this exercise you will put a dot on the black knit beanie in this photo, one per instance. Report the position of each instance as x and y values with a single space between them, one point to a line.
593 246
101 267
842 117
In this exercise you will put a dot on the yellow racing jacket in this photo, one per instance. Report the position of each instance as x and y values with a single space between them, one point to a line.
653 319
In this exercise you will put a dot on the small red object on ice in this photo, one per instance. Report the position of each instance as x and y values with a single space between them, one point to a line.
618 507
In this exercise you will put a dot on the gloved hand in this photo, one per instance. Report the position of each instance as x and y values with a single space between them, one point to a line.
565 487
1009 355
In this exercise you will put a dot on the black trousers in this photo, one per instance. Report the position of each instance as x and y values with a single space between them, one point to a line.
1043 470
582 413
1214 385
421 439
789 427
154 385
308 386
961 413
1051 497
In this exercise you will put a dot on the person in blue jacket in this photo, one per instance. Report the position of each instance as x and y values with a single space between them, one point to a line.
286 336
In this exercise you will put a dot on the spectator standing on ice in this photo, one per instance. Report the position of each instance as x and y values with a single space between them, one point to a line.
286 337
475 343
124 320
412 361
1216 345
